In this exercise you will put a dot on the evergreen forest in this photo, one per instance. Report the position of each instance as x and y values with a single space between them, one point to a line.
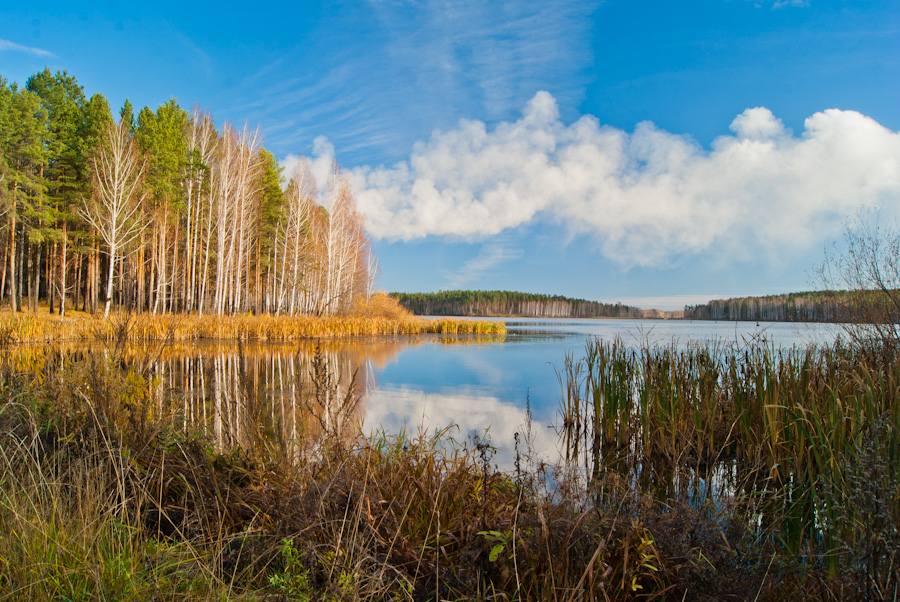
862 306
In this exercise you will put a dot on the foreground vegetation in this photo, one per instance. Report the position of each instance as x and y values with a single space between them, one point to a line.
705 473
800 447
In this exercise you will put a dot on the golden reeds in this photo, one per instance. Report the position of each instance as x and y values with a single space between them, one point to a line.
31 327
785 435
105 494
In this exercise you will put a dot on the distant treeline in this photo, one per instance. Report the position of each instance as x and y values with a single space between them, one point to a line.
815 306
511 303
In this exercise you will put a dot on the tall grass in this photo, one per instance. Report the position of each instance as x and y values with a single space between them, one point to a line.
803 444
102 495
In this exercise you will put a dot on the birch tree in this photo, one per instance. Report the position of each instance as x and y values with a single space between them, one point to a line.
237 185
219 233
113 210
347 249
294 251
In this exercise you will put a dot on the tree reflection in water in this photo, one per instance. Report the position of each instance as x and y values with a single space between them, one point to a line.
243 393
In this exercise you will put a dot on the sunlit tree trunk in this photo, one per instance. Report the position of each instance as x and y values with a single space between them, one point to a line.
63 264
346 248
201 147
224 203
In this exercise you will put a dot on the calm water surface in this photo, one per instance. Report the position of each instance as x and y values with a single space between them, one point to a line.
484 387
472 385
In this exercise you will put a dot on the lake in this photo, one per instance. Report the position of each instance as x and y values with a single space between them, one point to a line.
473 385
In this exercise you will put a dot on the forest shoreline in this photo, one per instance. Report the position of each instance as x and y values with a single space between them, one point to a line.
830 306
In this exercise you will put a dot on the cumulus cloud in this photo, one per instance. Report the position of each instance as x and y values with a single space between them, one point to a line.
647 197
320 165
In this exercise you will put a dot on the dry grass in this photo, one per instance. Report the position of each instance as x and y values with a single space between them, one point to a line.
104 497
375 319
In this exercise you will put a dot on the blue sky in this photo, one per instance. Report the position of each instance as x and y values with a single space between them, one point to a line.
657 153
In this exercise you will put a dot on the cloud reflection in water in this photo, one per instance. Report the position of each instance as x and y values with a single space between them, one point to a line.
395 409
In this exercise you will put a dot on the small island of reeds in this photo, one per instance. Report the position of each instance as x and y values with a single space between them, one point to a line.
380 316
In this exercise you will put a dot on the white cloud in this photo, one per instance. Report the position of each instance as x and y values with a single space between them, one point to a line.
758 124
320 165
7 45
648 197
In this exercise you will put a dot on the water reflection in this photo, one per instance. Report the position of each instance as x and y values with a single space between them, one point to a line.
414 386
293 390
407 409
478 385
285 390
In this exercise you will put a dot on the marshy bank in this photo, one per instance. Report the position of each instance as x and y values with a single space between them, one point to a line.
695 473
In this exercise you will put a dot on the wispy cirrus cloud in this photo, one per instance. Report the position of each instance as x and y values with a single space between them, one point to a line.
488 262
779 3
14 47
495 54
412 67
195 55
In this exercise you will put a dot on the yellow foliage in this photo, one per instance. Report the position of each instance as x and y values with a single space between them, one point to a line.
380 305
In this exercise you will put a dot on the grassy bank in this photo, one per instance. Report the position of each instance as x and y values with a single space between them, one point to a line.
697 474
